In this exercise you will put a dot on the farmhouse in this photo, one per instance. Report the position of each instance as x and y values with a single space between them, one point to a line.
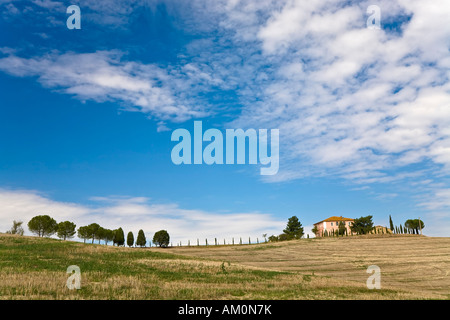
332 223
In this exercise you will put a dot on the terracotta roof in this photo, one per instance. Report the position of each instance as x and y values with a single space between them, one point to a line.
335 218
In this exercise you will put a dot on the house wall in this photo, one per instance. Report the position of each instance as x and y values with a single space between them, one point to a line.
330 226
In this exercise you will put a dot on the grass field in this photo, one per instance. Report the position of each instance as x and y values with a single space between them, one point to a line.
412 267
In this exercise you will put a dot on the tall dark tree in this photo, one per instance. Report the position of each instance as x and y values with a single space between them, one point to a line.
130 239
141 240
315 230
161 238
341 228
294 229
43 225
119 237
66 230
362 225
391 224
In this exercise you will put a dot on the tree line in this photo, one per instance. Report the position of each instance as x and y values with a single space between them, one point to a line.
411 226
46 226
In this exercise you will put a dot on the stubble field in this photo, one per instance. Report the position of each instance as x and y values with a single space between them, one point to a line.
412 267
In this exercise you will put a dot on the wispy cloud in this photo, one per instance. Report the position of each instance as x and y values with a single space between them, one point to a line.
350 100
368 106
103 76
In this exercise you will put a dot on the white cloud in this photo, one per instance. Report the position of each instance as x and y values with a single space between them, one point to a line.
347 98
103 76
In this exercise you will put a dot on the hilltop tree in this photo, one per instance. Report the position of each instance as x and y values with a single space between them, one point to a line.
130 239
83 233
119 237
315 230
16 228
93 231
108 235
161 238
141 240
101 234
65 229
414 225
391 224
362 225
294 229
43 225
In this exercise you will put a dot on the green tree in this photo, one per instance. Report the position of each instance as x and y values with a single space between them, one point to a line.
141 240
391 224
16 228
362 225
161 238
83 233
119 237
93 229
66 230
414 225
284 237
101 234
43 225
315 230
341 228
130 239
294 229
108 235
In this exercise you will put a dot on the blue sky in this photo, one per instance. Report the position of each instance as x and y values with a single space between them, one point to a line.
86 115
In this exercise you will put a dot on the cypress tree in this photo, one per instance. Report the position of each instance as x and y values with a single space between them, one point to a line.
130 239
391 224
141 240
119 237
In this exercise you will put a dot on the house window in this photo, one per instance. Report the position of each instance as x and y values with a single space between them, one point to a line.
332 224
